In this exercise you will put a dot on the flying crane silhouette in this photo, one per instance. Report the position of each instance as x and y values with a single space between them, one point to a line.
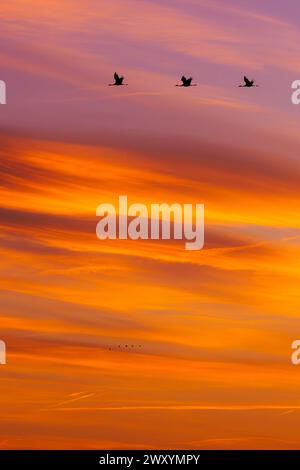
186 82
248 83
118 80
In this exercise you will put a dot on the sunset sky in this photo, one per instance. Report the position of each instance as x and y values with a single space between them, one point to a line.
209 333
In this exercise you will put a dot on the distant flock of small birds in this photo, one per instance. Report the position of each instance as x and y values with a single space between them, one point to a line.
185 82
125 347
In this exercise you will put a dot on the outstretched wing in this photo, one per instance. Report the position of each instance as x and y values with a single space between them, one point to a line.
116 77
183 79
189 81
247 81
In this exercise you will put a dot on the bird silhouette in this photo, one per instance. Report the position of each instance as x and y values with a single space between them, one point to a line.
248 83
118 80
186 82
